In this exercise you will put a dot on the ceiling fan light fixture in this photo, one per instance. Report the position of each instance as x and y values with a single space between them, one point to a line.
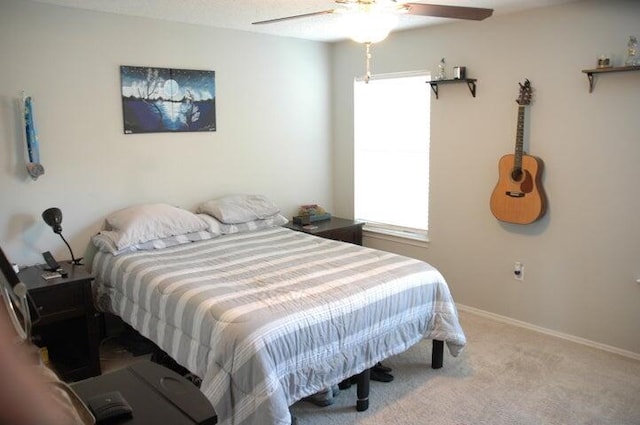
370 26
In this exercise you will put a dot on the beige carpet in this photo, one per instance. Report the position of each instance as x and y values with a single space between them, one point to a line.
507 375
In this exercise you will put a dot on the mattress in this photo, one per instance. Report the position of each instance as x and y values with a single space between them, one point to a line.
268 317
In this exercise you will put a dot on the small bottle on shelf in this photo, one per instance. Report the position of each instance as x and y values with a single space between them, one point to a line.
442 70
633 55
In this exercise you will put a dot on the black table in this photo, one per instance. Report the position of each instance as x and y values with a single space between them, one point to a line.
69 325
156 395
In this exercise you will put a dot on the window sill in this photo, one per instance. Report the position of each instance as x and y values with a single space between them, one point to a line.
406 238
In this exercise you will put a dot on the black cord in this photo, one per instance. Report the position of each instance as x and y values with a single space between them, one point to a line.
74 261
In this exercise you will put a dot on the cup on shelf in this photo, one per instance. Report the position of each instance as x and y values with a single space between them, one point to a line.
604 61
459 72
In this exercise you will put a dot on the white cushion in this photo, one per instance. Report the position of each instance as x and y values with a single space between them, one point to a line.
105 241
234 209
215 226
143 223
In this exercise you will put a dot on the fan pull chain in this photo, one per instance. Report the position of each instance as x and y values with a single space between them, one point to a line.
367 76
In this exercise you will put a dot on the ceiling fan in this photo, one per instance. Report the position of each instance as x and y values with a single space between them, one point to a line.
389 8
370 21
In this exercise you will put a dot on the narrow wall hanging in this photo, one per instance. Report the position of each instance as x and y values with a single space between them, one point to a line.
158 100
34 168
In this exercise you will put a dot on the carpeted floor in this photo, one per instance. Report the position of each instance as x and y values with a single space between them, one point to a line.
506 375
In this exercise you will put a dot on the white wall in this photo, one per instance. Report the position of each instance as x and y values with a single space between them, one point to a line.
583 258
281 102
273 121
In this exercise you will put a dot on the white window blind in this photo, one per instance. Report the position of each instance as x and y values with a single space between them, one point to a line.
391 156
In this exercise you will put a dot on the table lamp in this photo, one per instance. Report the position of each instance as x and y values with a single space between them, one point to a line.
53 217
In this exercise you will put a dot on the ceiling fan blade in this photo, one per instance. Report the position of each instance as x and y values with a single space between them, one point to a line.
286 18
440 11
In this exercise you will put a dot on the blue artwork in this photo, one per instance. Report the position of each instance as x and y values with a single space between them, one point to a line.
34 168
167 100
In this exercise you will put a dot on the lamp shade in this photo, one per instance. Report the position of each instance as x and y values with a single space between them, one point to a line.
53 217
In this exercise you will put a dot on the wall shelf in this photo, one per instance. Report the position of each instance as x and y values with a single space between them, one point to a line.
590 72
471 83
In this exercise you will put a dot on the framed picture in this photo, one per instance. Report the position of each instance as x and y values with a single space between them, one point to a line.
156 100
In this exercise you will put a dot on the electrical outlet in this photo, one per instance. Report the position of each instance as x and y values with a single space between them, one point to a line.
518 270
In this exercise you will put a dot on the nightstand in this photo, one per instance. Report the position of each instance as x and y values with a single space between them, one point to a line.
339 229
69 324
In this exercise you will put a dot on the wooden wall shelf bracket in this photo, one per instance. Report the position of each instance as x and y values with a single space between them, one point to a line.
590 72
471 83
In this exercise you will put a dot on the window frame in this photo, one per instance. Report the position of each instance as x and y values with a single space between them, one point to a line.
388 232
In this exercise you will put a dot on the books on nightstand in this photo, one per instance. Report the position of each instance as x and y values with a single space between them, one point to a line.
46 275
309 214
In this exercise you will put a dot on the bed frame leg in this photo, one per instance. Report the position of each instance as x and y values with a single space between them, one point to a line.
437 354
363 390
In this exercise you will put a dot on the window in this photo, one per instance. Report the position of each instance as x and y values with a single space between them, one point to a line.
391 154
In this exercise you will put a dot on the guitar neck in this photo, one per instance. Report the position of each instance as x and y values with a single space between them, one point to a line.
519 139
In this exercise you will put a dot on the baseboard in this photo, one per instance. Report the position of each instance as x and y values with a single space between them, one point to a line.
572 338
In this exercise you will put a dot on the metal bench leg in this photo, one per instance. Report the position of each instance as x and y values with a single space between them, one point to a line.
437 354
363 390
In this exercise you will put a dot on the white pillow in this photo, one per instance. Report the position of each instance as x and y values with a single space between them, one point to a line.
215 226
105 241
143 223
234 209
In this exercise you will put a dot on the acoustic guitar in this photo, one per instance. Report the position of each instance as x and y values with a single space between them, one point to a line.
518 196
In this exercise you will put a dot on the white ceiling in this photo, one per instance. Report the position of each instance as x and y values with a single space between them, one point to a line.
239 14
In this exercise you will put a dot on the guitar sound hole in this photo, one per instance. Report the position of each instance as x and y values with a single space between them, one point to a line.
517 174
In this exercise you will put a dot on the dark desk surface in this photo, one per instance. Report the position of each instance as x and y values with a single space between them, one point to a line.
32 276
333 223
339 229
156 394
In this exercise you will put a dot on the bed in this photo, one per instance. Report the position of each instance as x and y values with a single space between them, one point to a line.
267 316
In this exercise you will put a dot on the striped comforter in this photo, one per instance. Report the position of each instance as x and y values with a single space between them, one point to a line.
269 317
